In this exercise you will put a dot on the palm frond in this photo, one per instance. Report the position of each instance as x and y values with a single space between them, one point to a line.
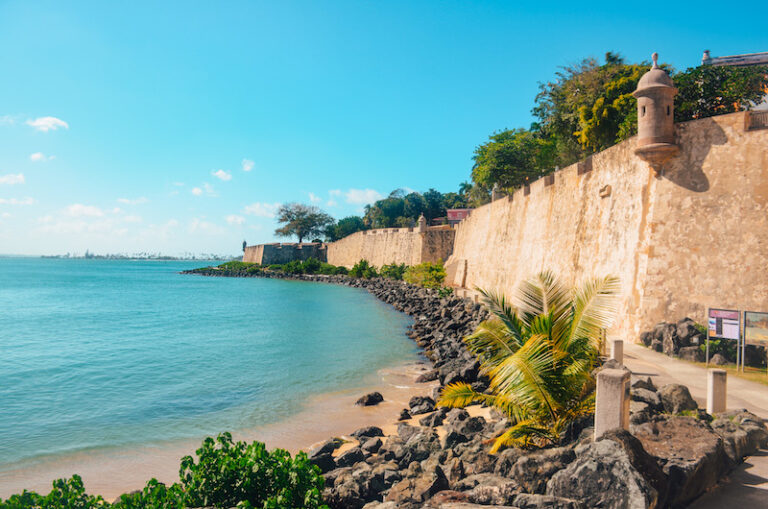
542 294
492 341
498 305
594 307
520 435
459 395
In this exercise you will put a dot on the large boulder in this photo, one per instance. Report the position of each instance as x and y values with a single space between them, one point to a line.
535 501
417 490
608 474
373 398
676 398
743 433
690 453
533 470
350 457
421 405
691 354
367 432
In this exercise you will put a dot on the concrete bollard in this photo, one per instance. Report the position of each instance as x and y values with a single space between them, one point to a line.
611 401
716 390
617 350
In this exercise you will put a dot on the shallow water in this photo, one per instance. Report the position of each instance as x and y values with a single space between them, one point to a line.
129 359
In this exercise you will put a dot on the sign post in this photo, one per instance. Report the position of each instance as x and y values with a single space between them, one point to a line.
724 324
756 329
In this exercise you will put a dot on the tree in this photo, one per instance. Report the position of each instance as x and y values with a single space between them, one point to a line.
511 158
709 90
344 227
539 357
434 204
301 220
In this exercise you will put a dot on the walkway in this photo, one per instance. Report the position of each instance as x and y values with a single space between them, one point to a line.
748 486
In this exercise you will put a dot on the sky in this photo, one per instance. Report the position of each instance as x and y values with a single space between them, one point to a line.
179 126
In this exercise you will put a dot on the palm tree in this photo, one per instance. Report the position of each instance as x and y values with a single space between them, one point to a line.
539 356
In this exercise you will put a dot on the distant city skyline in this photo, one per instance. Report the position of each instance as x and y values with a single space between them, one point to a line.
179 127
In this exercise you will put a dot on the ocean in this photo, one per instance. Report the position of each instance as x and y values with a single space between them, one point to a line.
99 357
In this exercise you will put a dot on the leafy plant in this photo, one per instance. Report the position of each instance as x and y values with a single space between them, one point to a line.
65 494
293 267
427 274
725 347
445 291
311 265
539 357
276 267
713 90
393 271
363 269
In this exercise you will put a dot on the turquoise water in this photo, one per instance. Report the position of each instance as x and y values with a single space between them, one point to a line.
97 354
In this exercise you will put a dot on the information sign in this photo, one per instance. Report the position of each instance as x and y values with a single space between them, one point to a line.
724 324
756 328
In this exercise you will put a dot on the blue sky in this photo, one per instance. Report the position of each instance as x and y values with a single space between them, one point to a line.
178 126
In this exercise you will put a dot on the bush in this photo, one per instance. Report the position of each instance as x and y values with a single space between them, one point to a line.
427 274
311 265
393 271
331 270
226 474
275 266
363 269
237 266
445 291
293 267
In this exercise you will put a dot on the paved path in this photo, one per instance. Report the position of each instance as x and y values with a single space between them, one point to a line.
748 485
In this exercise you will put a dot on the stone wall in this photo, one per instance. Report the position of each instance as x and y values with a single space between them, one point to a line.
392 245
268 254
694 237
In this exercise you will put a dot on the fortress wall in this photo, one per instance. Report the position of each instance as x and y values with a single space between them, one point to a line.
391 245
268 254
710 224
692 238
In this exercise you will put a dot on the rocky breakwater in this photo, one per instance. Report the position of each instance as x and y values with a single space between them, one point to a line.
439 458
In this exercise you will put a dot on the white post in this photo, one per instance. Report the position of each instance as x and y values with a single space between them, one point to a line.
617 350
611 401
716 390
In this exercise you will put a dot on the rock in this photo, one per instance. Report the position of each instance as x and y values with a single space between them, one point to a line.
533 501
418 447
404 415
691 354
350 457
406 431
456 415
421 405
603 475
650 398
427 376
441 498
685 331
718 360
743 433
325 461
691 454
380 505
506 460
367 432
494 491
326 447
676 398
417 490
646 338
644 384
657 346
436 419
374 398
534 469
371 446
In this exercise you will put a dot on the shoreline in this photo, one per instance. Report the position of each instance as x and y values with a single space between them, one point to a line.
114 471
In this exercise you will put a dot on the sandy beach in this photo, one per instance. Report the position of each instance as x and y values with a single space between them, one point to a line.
111 472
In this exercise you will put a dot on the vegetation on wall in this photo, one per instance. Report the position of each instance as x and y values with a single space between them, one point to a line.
427 274
224 474
539 356
302 221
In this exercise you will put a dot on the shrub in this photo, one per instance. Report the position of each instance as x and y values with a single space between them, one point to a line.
363 269
275 266
225 474
311 265
445 291
427 274
393 271
293 267
237 266
331 270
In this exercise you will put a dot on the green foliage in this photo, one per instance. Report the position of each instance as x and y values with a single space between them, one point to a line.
512 159
311 265
302 221
725 347
402 210
275 267
225 474
393 271
293 267
445 291
237 266
363 269
427 274
539 357
344 227
714 90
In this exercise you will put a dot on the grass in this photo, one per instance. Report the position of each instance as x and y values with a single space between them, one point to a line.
758 375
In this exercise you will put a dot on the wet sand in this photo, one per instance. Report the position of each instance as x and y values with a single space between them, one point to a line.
111 472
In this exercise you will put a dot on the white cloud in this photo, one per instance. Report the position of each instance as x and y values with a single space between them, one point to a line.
314 198
46 124
132 219
206 188
204 227
222 175
134 201
80 210
335 192
331 203
7 120
362 196
178 184
261 209
235 219
16 201
12 179
247 165
39 157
